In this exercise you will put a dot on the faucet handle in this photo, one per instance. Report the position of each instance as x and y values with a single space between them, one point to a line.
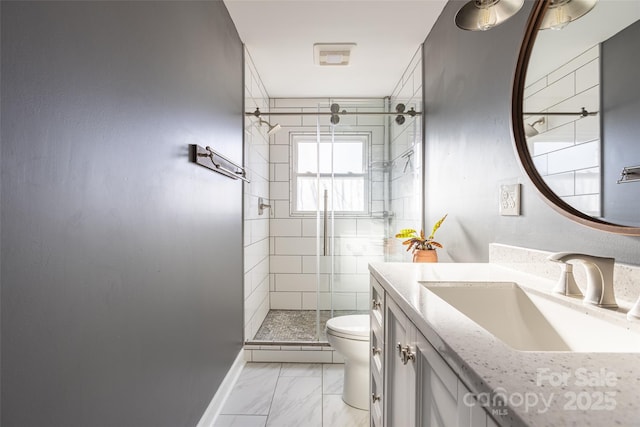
567 284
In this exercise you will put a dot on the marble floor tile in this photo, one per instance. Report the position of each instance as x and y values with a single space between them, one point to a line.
297 402
336 413
301 370
332 379
253 392
241 421
290 395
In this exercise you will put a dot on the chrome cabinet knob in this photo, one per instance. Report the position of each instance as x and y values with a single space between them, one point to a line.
375 397
376 304
376 350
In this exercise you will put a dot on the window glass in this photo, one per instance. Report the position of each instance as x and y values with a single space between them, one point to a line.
350 178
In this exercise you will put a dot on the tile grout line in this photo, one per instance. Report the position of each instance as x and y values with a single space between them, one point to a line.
273 395
322 395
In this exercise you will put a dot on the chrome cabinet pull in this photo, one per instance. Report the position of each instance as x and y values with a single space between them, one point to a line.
408 355
405 354
375 397
376 304
376 350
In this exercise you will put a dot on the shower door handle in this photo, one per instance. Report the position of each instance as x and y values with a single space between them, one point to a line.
326 223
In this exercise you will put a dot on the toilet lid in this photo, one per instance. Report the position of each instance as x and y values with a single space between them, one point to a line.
354 325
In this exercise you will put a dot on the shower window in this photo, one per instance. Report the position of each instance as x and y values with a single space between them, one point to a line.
344 161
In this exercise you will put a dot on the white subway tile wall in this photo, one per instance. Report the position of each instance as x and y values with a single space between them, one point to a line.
256 227
567 149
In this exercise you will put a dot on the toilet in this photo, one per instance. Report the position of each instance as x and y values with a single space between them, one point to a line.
349 337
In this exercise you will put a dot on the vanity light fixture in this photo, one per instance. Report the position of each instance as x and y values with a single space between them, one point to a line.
482 15
561 12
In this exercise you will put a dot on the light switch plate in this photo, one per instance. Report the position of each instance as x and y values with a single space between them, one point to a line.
510 199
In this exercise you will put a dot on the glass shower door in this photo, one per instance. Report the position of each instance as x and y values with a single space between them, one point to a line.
352 217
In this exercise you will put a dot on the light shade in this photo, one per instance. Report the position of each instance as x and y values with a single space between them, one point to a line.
482 15
561 12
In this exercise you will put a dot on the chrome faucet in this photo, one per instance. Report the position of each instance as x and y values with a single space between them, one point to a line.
599 277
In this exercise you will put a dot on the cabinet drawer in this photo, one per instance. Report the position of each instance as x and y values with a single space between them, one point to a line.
376 402
377 356
377 331
377 300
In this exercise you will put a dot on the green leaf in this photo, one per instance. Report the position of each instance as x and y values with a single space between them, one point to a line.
405 233
436 226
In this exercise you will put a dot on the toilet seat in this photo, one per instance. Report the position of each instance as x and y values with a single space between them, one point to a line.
352 327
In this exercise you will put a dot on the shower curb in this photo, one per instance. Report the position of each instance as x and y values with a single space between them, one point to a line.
285 352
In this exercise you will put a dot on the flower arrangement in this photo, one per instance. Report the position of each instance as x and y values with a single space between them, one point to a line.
417 241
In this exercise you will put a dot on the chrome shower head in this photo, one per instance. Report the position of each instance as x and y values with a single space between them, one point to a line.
272 128
530 130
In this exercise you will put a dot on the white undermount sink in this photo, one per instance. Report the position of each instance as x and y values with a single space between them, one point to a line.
527 321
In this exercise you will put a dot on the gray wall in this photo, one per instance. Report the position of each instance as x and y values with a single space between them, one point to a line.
620 125
121 261
469 149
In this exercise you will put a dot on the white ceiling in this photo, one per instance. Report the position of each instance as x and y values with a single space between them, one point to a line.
280 34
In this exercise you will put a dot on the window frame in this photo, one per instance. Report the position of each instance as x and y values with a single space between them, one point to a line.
325 137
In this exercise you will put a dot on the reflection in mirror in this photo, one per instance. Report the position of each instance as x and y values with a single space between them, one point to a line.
590 65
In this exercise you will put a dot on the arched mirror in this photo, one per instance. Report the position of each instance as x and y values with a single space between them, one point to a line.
576 110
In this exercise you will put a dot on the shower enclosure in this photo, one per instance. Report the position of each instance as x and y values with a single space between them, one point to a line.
339 172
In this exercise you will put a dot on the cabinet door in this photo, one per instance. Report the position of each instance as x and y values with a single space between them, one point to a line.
470 413
399 393
437 388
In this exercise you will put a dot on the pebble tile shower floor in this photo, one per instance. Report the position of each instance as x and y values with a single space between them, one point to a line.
296 325
290 395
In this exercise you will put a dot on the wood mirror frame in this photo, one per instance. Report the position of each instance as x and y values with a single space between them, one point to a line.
521 148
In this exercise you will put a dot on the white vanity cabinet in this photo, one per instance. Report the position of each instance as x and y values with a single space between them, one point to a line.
419 388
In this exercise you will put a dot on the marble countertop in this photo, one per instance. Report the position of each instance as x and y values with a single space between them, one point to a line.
537 388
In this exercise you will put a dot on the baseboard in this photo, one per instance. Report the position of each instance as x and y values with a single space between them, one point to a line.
214 408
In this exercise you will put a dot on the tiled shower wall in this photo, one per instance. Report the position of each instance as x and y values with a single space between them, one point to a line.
406 160
256 227
566 152
292 243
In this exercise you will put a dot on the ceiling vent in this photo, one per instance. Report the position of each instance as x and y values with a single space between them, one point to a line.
332 54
